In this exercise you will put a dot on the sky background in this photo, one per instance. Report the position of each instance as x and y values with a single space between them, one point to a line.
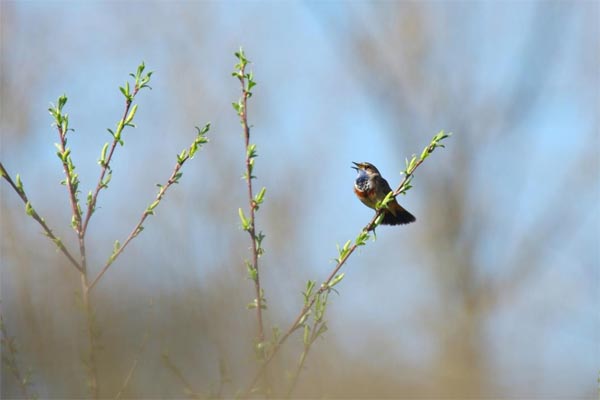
493 292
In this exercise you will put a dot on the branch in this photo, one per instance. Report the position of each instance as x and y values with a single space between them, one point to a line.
346 251
247 83
30 210
61 120
141 82
174 178
133 368
188 390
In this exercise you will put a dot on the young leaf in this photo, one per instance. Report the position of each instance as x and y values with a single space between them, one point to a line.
244 220
29 209
131 114
336 280
306 335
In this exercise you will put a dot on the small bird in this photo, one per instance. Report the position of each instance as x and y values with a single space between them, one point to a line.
370 187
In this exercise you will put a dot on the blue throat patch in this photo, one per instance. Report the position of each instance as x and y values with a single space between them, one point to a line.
362 181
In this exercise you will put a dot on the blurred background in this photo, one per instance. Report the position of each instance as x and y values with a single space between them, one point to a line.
494 292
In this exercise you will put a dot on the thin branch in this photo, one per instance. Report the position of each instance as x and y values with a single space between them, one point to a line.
326 285
133 368
303 356
105 165
70 178
174 178
31 211
139 227
246 82
189 391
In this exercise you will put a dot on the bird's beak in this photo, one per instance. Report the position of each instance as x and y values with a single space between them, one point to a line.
356 167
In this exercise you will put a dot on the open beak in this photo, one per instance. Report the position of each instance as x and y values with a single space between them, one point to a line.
356 167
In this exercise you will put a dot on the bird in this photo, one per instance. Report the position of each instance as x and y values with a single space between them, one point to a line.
370 188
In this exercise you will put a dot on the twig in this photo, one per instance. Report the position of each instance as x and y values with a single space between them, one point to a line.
71 178
189 391
307 346
133 367
61 120
326 285
105 165
31 211
174 178
247 82
141 82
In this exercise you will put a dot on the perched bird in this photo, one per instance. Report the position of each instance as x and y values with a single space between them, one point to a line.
370 188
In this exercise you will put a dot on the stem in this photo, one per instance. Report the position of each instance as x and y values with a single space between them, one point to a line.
188 390
303 356
90 328
40 220
132 369
72 190
252 203
89 313
92 204
138 228
69 183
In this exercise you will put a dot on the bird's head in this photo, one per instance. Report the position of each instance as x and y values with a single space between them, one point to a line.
366 167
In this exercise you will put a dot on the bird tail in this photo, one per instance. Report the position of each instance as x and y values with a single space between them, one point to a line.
397 215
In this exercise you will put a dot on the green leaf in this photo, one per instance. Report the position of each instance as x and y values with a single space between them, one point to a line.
116 247
322 329
107 179
244 220
362 238
303 318
251 151
336 280
29 209
306 335
102 160
386 200
310 285
138 230
320 306
252 272
181 157
259 198
204 130
62 100
151 207
131 114
140 69
19 183
344 250
125 91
